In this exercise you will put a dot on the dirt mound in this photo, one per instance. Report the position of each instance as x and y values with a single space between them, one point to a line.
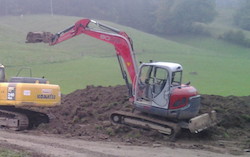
233 114
85 114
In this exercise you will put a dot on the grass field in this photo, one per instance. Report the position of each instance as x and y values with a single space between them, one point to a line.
12 153
220 68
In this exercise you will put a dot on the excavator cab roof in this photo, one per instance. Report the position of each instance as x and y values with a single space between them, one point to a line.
173 67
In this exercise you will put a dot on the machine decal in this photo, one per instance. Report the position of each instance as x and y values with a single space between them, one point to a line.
26 92
47 91
110 39
43 96
11 95
105 37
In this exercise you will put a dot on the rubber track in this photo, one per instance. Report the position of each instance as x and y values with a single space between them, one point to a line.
146 119
34 118
13 120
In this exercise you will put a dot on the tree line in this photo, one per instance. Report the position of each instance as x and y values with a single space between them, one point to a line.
154 16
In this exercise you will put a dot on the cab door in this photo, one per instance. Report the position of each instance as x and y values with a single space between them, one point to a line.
153 86
161 87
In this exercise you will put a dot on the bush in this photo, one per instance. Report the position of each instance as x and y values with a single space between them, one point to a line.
236 37
247 42
242 16
199 29
177 17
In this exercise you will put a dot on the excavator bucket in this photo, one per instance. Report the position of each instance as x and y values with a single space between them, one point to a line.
37 37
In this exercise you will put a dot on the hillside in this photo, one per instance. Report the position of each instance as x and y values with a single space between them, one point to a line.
213 66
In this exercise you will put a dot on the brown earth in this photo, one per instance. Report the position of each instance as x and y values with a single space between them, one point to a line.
45 145
85 113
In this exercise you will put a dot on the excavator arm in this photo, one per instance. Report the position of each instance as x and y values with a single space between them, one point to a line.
120 40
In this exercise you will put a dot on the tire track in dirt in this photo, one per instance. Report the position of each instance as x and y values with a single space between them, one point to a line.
50 145
55 146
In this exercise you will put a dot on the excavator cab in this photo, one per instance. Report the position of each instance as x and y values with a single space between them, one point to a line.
156 83
2 74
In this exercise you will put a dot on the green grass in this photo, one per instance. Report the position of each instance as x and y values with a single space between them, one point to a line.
222 68
77 74
12 153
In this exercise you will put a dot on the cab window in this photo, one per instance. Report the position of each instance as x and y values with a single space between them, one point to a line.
160 80
176 78
152 80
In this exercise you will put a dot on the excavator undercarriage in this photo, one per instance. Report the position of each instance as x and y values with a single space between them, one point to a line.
163 125
145 121
20 119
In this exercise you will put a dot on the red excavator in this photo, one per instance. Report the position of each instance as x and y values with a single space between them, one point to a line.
155 88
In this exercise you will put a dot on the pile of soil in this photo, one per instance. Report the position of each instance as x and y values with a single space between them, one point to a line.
85 114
